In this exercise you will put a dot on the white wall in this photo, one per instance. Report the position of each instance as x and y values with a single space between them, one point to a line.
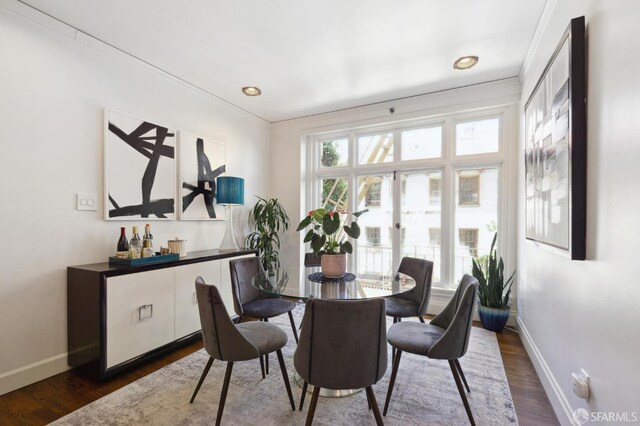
54 83
288 141
585 314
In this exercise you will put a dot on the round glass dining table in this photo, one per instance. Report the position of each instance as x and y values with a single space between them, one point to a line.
302 282
307 283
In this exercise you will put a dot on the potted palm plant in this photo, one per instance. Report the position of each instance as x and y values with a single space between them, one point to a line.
494 291
328 238
269 219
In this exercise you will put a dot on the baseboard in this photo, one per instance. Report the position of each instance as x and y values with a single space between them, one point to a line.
557 398
23 376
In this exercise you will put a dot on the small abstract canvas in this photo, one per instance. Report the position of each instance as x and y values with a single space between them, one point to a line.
201 162
140 169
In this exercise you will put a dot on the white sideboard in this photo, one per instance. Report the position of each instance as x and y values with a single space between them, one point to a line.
122 315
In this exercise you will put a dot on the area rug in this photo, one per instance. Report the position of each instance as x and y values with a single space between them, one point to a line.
425 393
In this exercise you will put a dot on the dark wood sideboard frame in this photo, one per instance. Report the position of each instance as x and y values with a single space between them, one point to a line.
86 310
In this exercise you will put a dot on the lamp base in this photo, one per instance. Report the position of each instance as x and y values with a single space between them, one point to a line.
229 241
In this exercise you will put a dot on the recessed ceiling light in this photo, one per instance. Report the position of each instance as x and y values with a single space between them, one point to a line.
465 62
251 91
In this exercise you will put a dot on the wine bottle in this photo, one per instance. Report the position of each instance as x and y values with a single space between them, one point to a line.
147 242
123 244
135 245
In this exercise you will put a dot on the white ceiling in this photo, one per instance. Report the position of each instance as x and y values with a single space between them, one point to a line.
310 57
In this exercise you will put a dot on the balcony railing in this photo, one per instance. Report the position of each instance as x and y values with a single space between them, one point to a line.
375 262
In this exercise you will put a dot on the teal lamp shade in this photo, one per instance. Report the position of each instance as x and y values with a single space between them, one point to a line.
230 191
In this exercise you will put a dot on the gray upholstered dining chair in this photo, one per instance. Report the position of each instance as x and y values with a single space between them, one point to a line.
412 303
226 341
445 337
342 346
248 301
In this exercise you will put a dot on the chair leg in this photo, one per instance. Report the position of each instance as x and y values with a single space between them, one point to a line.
312 407
464 379
421 319
202 377
239 319
285 377
374 405
262 366
266 356
293 327
456 377
392 381
395 320
368 400
223 395
304 393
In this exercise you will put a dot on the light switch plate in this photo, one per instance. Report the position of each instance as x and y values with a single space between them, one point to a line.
86 202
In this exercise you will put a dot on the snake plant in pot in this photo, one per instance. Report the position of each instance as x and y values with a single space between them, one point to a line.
494 291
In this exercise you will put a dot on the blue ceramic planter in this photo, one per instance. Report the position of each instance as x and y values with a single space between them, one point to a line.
493 319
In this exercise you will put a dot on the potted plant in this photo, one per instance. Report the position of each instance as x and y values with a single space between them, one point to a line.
494 291
269 219
328 238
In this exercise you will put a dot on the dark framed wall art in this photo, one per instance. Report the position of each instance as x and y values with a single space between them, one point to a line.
139 169
556 148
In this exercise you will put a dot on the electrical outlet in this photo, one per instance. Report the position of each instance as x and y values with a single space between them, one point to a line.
580 382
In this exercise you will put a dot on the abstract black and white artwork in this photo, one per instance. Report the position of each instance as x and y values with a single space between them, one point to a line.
201 162
555 149
140 169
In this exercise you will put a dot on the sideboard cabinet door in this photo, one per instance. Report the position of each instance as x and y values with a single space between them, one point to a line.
140 314
187 315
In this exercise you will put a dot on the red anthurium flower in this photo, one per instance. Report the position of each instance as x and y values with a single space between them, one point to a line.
331 213
310 213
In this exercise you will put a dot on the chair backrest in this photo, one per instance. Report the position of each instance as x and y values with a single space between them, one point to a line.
311 260
242 270
342 343
421 271
222 340
456 318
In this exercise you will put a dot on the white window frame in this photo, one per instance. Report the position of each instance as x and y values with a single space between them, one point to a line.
447 164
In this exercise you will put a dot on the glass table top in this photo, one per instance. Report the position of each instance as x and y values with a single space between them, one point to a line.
294 281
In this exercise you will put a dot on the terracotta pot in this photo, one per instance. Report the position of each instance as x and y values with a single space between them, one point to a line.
333 265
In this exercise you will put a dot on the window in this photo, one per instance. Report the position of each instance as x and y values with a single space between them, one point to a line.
478 137
434 191
421 143
469 237
469 190
373 235
335 194
335 153
375 149
435 236
373 195
428 175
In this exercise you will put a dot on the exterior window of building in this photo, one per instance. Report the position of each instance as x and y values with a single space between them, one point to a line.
373 195
373 235
469 238
469 187
434 191
435 235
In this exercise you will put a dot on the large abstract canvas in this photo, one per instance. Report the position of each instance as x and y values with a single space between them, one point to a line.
201 162
140 169
555 149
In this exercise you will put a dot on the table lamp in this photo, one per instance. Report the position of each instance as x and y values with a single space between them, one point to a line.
229 193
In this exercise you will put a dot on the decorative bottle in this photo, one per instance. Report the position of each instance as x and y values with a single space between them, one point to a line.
147 242
123 244
135 245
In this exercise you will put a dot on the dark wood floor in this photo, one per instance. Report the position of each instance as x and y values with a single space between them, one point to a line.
50 399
